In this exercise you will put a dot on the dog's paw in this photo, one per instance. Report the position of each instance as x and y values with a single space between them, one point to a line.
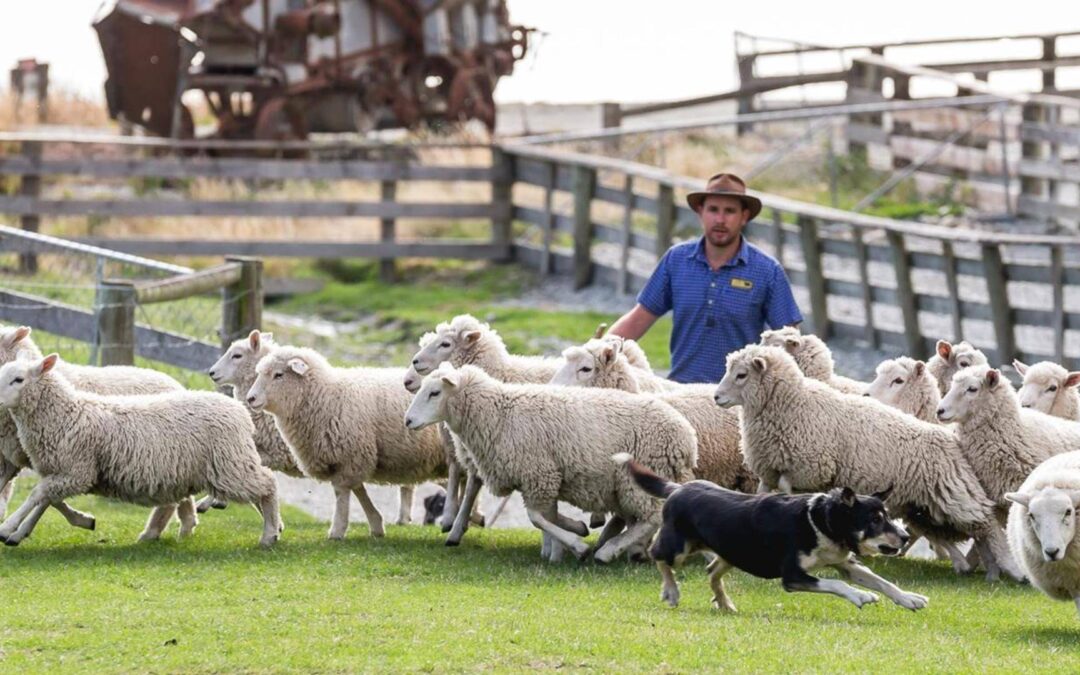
724 605
912 601
670 595
860 598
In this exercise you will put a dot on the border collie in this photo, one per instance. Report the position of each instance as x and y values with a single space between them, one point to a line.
773 536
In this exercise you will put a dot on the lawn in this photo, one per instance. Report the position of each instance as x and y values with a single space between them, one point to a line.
98 602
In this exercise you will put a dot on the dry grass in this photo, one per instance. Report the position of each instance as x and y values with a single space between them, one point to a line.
64 108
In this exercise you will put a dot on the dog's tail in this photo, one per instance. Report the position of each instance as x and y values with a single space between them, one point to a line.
646 479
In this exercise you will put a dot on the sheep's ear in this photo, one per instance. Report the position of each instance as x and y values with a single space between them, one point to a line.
1020 366
608 354
18 335
48 363
472 336
1018 498
791 344
847 496
254 338
451 379
759 364
600 330
884 494
1074 495
299 366
920 368
1073 379
944 348
992 378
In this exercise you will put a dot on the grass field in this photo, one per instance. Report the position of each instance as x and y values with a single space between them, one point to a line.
97 602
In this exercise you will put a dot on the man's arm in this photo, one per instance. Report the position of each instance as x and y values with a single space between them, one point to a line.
634 323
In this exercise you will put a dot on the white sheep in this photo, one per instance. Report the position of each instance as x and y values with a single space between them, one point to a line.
343 427
110 380
949 359
1050 389
908 386
153 450
1042 527
800 434
813 356
603 364
553 443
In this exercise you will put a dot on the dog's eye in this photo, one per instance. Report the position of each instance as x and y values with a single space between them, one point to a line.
898 380
1053 387
877 518
586 369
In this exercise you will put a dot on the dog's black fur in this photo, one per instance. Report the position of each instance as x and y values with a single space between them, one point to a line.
770 536
433 506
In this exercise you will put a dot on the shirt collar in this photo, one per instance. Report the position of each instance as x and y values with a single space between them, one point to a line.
741 256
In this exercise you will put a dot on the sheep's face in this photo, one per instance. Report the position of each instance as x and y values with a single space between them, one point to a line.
1051 515
16 376
448 345
429 404
12 341
239 360
961 355
896 377
969 386
743 367
787 338
412 380
275 376
1043 384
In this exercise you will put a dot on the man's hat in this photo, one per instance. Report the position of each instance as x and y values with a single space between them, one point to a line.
726 185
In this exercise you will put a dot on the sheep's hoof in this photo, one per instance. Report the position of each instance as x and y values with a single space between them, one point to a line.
93 524
453 542
220 506
11 541
597 520
267 542
447 528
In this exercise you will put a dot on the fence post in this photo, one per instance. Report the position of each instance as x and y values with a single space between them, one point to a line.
665 218
866 78
502 187
1000 312
815 276
242 302
611 118
745 64
388 195
1032 151
864 281
905 295
584 187
1049 53
116 322
627 236
30 187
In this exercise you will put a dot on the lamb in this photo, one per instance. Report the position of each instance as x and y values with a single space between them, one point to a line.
554 443
16 343
1050 389
604 365
342 427
950 359
908 386
1042 527
153 450
813 356
799 434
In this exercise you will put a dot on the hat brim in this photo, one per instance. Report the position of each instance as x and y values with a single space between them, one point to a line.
752 204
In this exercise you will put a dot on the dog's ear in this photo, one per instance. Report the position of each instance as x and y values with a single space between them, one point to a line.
944 349
847 497
884 494
1018 498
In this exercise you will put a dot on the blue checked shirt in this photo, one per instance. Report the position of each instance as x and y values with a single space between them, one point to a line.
716 312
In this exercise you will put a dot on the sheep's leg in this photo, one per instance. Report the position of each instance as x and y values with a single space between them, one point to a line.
557 551
75 517
8 471
576 526
973 558
959 560
545 546
989 560
158 521
1076 600
36 497
186 511
614 525
637 532
864 577
489 522
210 502
374 518
271 520
450 506
568 539
340 524
27 525
998 547
785 485
405 499
50 490
461 523
915 537
720 600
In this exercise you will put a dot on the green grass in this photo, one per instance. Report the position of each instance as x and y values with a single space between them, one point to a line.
98 602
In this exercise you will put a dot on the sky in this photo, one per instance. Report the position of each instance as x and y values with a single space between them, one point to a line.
622 50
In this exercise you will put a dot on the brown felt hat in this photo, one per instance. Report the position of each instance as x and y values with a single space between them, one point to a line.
726 185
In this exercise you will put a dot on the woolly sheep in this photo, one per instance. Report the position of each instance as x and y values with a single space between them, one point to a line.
1050 389
813 357
1042 527
949 359
604 365
799 434
554 443
17 343
343 427
908 386
153 450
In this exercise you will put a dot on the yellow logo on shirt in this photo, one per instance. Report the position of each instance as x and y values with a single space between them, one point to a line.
742 283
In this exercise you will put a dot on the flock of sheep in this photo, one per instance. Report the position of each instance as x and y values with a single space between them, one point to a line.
956 443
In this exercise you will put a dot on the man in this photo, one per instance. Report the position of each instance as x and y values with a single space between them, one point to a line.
723 290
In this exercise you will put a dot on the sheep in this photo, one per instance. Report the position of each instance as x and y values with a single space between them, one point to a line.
801 434
1042 527
950 359
908 386
1050 389
15 343
604 365
153 450
554 443
813 356
342 427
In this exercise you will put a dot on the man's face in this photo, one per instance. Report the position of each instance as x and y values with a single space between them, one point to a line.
722 219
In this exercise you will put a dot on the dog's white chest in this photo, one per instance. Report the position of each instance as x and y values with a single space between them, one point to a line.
827 552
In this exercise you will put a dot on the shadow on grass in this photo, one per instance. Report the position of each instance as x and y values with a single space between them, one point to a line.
1047 636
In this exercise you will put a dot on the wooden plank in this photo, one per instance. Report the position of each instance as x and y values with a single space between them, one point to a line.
187 285
618 197
448 248
175 349
867 134
30 188
502 184
952 283
864 282
548 220
996 290
47 315
665 218
584 184
241 208
243 169
387 267
1050 170
1040 132
627 237
815 277
906 295
1057 278
1046 209
778 236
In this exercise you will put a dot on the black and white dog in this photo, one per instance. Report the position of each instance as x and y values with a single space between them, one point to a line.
773 536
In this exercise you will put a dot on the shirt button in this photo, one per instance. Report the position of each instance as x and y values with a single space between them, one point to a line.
710 302
712 285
